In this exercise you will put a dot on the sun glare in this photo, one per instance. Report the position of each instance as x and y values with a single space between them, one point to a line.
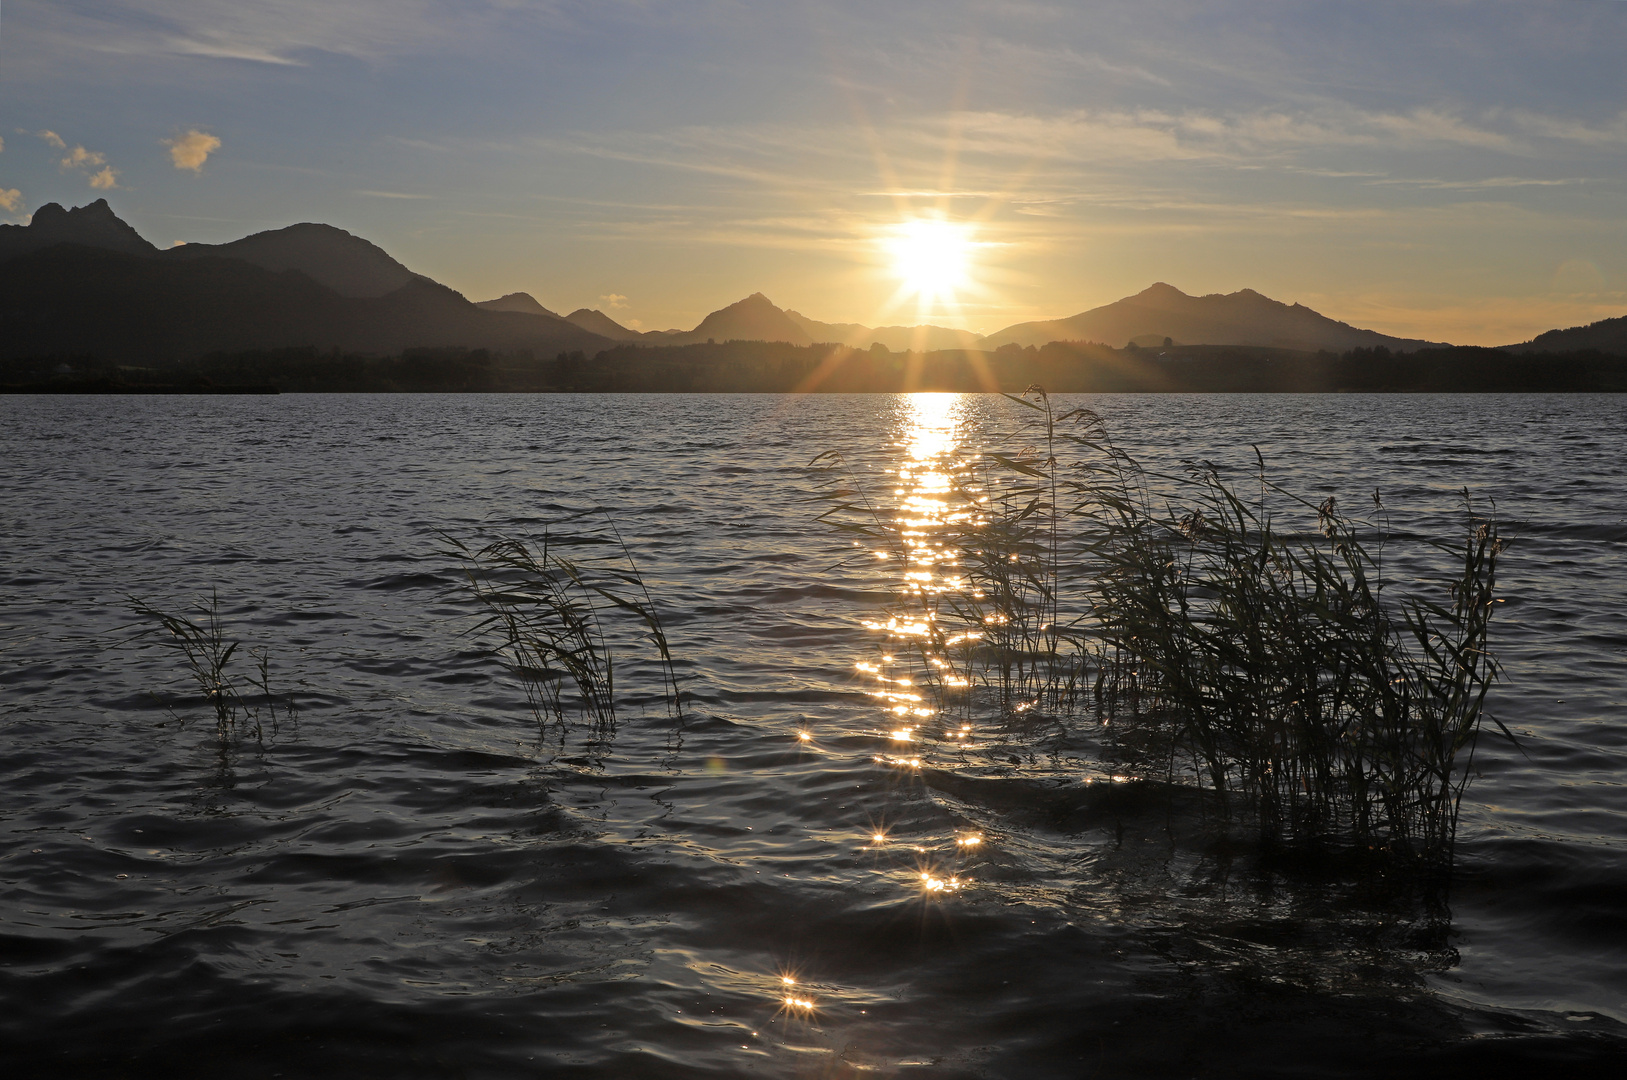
931 258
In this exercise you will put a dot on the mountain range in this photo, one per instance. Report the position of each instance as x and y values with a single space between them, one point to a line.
1240 318
83 282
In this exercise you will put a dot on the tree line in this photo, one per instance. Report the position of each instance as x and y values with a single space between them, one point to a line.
776 367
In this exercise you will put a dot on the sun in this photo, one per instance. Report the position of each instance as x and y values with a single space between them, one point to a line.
931 257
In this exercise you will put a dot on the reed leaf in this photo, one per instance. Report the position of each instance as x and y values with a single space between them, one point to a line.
559 621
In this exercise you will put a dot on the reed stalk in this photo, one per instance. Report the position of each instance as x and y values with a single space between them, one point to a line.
242 703
559 621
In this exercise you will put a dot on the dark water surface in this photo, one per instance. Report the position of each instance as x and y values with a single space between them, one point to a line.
411 882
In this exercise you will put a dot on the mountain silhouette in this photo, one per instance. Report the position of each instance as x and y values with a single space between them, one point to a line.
1606 335
922 338
82 282
522 302
94 225
753 319
589 319
1240 318
347 264
756 318
596 321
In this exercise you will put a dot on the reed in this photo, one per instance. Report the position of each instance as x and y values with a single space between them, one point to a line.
243 703
1271 660
558 622
1243 643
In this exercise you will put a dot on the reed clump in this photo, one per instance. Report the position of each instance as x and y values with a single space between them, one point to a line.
1247 644
1270 660
243 703
559 622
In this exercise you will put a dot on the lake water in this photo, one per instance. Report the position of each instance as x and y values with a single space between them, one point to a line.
411 881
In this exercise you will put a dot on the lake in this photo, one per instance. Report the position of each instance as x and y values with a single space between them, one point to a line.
412 878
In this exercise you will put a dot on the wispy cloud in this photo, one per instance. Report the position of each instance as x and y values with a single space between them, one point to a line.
1483 184
11 200
613 300
392 195
52 139
1141 136
278 34
223 48
105 180
1612 133
191 150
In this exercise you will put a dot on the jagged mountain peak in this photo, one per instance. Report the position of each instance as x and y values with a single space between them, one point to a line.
93 225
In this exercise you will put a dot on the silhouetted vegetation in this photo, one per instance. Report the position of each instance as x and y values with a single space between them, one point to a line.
777 367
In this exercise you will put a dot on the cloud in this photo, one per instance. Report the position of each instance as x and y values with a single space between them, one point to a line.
1486 183
191 150
614 300
278 34
2 145
106 178
391 195
10 200
1564 129
80 158
1141 136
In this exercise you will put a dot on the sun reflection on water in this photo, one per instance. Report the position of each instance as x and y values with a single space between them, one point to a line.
917 671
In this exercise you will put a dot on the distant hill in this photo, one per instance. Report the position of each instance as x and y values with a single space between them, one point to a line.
1239 318
756 318
1606 335
347 264
93 226
596 321
920 338
82 282
522 302
753 319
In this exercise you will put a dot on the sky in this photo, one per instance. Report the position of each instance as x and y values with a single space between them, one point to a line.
1451 170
